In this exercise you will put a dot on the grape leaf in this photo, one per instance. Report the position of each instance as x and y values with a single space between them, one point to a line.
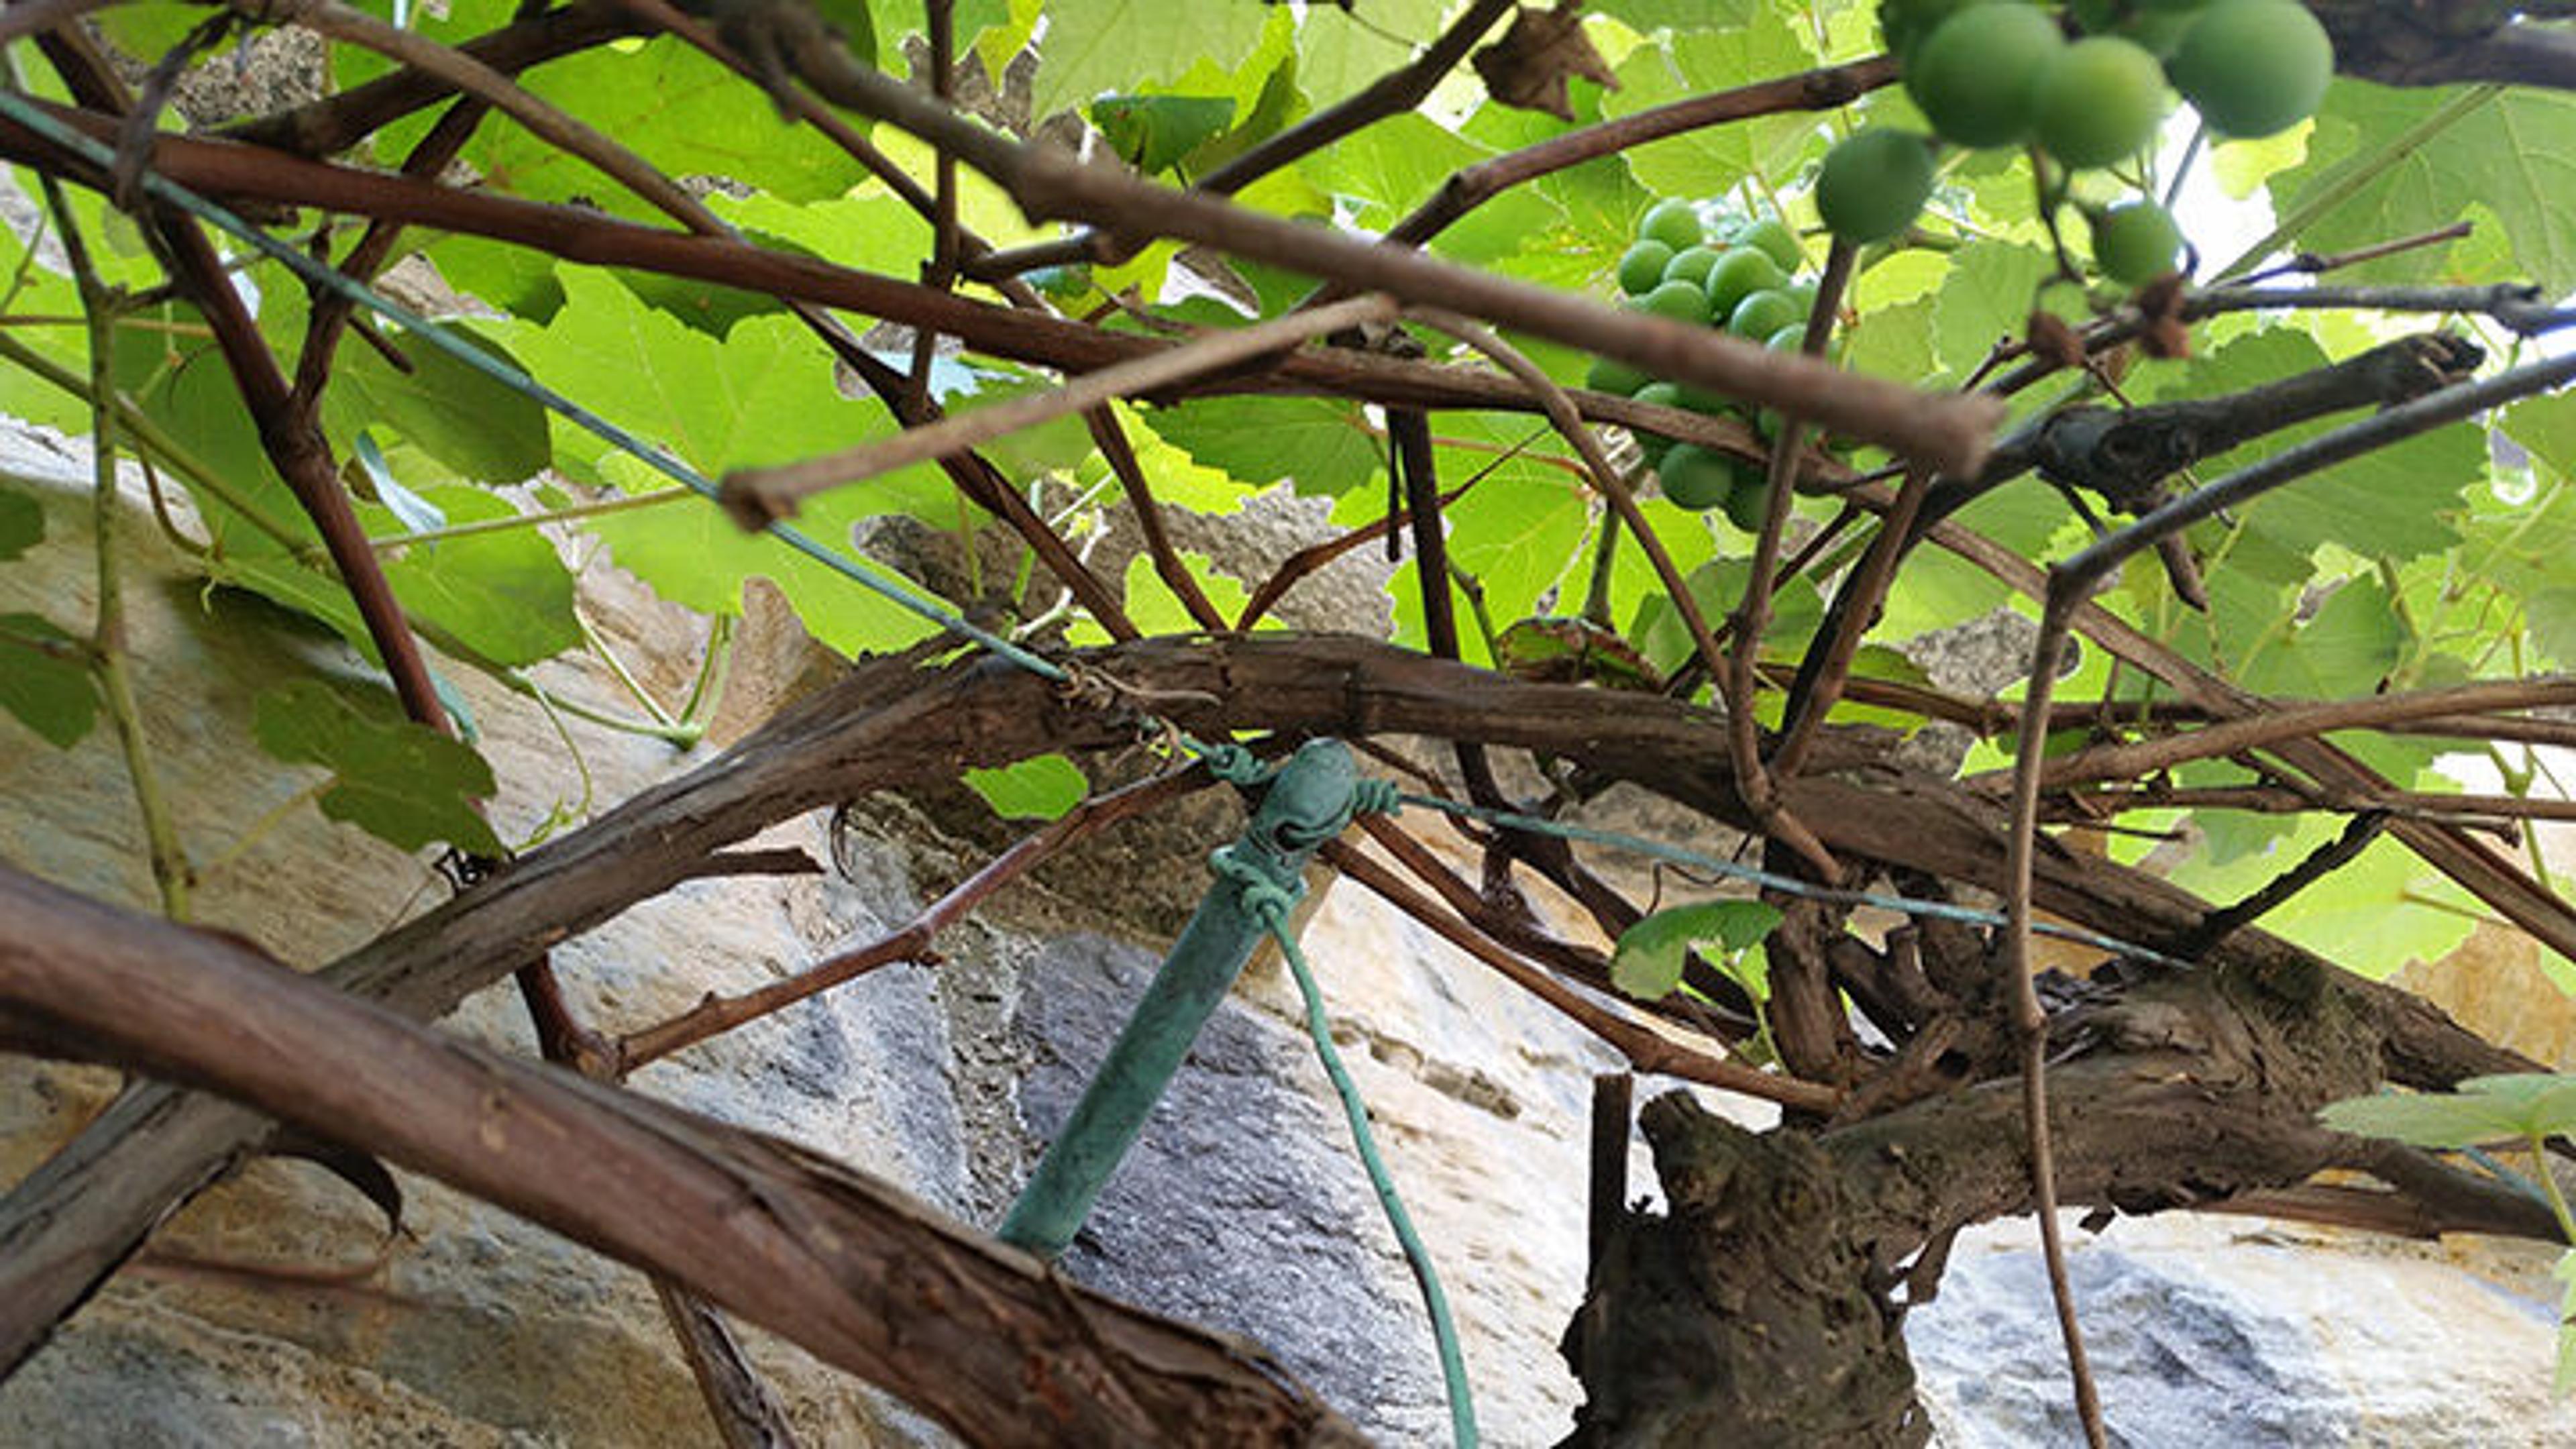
1322 443
47 688
2484 1109
1694 60
401 782
1652 953
1041 787
1091 46
2504 155
1151 133
505 596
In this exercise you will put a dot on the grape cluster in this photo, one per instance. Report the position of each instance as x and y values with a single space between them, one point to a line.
2087 84
1743 278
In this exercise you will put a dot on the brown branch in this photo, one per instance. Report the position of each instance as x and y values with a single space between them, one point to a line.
983 1338
1945 431
1830 88
2291 722
247 174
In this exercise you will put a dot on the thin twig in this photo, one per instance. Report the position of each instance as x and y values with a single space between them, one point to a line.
912 942
758 496
2146 757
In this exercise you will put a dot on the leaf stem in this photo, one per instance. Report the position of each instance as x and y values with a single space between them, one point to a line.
2539 1144
171 873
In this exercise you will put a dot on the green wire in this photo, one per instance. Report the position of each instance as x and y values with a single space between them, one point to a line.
1435 1303
1787 885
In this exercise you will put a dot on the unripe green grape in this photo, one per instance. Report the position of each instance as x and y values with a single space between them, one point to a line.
1656 445
1764 313
1874 184
1739 273
1680 301
2136 243
1792 338
2100 102
2254 67
1977 77
1609 374
1777 241
1642 266
1908 23
1747 506
1696 478
1672 221
1692 266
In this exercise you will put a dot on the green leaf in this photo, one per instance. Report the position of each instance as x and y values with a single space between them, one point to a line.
857 27
1322 443
2547 427
1651 954
1096 46
668 103
45 680
1342 49
401 782
22 523
1986 299
1041 787
505 596
2518 1106
1695 59
2504 155
1154 132
479 427
762 394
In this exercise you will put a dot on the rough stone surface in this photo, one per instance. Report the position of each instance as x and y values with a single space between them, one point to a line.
263 1314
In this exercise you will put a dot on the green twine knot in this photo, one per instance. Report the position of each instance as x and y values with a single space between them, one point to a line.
1265 898
1236 765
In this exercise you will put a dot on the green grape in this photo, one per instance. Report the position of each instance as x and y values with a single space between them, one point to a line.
1977 77
2254 67
1692 266
1907 23
1642 266
1776 240
1656 445
1672 221
1680 301
1696 478
1874 184
2099 102
1608 374
1751 500
2136 243
1762 314
1739 274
